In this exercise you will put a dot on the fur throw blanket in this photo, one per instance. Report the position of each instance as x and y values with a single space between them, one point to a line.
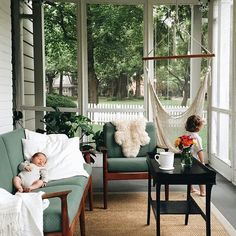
130 135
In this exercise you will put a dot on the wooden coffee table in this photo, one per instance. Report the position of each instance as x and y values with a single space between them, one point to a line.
197 174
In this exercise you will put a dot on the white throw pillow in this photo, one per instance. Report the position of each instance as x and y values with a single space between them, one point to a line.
65 159
64 156
44 137
30 147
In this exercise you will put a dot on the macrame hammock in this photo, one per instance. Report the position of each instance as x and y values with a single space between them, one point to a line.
169 127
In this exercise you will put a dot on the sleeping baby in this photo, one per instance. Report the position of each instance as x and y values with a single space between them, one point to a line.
32 174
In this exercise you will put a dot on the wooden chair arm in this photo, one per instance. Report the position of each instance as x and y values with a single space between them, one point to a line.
56 194
87 156
64 208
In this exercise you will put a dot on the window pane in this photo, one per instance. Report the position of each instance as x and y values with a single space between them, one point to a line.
224 137
222 32
115 50
214 133
61 54
172 76
220 146
115 66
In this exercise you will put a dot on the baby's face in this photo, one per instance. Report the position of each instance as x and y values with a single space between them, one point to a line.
39 160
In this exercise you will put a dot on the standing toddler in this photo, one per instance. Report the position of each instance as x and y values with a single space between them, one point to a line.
193 125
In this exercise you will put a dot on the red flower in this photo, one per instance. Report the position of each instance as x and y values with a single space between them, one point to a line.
184 141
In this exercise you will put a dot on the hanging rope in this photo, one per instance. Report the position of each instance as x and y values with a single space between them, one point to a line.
207 53
169 127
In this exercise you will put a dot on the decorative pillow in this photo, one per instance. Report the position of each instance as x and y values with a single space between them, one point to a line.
30 147
44 137
64 156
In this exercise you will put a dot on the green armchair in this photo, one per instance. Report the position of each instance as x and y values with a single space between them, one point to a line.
118 167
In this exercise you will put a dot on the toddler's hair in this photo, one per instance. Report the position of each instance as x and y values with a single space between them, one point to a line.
194 123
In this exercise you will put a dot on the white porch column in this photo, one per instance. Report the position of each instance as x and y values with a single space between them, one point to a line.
82 57
39 63
234 97
195 66
148 51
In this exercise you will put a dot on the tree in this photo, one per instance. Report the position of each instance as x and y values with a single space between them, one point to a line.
60 41
117 40
173 40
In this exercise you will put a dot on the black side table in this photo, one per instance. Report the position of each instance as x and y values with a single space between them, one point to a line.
197 174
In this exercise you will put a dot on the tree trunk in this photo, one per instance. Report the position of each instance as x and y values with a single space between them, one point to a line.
122 86
92 78
186 91
50 83
92 87
138 80
115 88
61 83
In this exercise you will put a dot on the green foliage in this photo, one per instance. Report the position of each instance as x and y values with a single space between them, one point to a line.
116 34
55 100
99 139
172 27
58 122
115 45
60 37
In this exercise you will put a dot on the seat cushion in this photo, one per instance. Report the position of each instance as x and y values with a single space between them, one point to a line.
52 214
76 180
124 164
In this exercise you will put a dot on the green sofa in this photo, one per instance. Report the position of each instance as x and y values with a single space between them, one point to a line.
67 196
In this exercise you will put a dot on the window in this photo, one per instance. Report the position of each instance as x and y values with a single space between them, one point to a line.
221 122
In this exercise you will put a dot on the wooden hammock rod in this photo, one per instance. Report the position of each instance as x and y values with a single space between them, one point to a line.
178 56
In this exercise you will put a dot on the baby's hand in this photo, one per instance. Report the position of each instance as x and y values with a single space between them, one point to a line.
28 168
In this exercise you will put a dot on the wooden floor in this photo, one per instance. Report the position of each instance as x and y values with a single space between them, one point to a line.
223 193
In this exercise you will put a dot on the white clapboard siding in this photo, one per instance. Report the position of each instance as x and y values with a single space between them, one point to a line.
5 128
29 87
29 76
29 120
28 36
29 100
27 47
6 121
28 62
29 115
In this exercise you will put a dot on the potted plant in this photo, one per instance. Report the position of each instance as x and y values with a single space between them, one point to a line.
68 123
57 122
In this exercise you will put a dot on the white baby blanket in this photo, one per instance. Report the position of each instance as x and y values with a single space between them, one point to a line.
21 214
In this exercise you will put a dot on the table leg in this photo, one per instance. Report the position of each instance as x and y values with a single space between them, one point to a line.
149 199
167 192
208 209
158 203
188 199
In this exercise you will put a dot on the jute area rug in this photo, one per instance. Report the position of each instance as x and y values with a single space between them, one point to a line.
127 215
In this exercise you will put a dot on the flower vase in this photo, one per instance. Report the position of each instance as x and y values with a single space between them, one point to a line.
186 158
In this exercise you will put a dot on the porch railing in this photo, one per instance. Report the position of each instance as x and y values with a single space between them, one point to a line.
102 113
